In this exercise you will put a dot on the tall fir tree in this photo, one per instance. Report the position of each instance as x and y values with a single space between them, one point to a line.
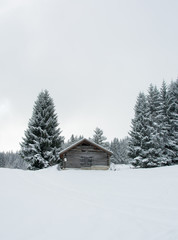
154 127
137 150
42 142
164 122
173 120
154 134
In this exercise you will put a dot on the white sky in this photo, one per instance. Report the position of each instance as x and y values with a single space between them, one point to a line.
93 57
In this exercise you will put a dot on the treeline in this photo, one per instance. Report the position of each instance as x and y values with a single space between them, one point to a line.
118 147
12 160
154 132
152 141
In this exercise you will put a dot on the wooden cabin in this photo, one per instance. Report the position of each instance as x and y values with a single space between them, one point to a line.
85 154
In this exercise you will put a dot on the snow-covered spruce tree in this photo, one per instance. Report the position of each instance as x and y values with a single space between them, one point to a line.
119 149
2 160
138 149
123 156
173 120
154 153
72 139
99 138
164 123
115 148
42 142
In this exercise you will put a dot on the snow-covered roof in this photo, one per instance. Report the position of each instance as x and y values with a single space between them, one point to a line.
88 141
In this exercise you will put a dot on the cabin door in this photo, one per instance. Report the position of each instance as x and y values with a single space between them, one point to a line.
86 161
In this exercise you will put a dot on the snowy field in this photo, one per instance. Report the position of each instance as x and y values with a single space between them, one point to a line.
137 204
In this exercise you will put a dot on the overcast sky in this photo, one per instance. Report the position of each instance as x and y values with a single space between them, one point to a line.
93 56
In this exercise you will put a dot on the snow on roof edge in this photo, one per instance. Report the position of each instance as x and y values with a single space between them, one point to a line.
85 139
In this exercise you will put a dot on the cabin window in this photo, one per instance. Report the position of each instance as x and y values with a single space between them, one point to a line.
86 161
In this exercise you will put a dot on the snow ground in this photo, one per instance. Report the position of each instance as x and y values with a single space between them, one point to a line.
137 204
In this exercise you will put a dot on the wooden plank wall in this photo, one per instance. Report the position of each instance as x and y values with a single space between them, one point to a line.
74 155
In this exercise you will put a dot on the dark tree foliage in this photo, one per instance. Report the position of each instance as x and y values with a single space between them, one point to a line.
42 142
119 148
99 138
154 131
139 132
2 160
172 114
12 160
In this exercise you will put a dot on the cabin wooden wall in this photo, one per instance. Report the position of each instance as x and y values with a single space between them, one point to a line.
99 157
